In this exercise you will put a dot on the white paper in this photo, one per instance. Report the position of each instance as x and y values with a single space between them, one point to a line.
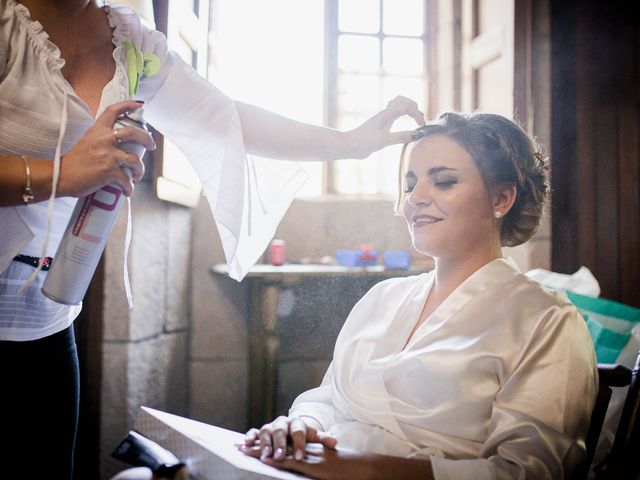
582 282
208 451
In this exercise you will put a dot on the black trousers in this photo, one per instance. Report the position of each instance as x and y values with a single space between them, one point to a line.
39 401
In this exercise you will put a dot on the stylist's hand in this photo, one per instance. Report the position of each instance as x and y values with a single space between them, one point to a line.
270 442
96 160
375 133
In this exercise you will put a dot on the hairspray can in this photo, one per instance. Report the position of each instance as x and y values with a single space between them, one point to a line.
88 230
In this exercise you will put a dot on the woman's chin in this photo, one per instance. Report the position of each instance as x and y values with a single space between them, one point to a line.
424 249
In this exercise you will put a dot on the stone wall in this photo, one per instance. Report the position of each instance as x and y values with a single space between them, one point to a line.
145 350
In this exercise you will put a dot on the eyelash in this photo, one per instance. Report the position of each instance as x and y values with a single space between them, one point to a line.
443 184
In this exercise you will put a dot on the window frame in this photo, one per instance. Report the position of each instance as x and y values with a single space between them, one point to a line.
332 35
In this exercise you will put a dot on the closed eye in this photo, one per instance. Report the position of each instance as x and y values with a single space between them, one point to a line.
444 184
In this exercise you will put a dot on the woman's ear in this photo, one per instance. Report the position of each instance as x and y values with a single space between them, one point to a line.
504 196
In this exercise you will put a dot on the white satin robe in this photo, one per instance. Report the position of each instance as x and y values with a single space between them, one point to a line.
499 382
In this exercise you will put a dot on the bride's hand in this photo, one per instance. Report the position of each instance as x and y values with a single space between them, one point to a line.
271 440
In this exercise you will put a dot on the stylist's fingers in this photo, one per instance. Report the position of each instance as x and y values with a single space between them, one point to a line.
404 106
132 162
401 137
122 179
132 134
108 117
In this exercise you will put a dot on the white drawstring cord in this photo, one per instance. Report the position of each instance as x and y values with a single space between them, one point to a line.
251 167
255 181
52 197
127 242
249 206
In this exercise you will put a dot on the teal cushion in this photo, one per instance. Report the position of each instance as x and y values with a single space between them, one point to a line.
609 322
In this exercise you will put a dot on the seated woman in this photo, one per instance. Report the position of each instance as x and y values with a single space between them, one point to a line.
469 371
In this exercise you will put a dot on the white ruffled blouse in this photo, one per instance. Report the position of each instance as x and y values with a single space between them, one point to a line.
40 113
498 383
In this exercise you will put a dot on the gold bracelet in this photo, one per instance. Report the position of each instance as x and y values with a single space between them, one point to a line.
27 195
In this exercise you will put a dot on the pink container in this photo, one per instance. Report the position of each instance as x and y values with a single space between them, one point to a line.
277 254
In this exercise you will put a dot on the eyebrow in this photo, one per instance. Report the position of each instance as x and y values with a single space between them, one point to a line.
432 171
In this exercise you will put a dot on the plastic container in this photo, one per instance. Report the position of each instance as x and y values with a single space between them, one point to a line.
355 258
277 255
397 259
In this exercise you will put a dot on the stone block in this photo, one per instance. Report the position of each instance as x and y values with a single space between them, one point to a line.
115 307
114 417
148 265
314 228
219 393
219 319
158 374
297 376
319 310
179 268
152 372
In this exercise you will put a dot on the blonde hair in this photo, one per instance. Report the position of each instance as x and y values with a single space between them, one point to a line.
504 153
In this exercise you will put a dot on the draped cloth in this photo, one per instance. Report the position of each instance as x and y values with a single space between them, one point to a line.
41 116
499 382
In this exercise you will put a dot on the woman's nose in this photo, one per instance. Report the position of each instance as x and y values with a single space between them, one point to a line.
420 195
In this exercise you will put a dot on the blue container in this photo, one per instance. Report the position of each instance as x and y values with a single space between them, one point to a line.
397 259
353 258
347 258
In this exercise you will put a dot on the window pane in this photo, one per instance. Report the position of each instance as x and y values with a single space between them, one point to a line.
273 58
403 56
377 174
359 94
358 53
362 16
403 17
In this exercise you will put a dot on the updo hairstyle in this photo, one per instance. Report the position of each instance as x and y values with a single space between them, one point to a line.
503 153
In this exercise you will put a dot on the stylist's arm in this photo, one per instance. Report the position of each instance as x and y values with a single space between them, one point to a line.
94 161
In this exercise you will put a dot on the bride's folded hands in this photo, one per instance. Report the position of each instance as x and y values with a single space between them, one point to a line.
272 439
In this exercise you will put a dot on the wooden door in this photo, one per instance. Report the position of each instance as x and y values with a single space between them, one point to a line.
487 56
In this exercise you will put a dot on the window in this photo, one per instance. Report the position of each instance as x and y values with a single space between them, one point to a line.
186 26
332 62
269 53
376 49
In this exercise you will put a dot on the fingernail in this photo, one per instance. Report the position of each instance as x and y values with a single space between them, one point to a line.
279 454
265 453
417 134
298 455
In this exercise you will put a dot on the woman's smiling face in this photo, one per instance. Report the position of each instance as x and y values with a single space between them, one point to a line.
446 203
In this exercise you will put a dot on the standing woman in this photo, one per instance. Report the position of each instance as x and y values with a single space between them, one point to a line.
469 371
68 68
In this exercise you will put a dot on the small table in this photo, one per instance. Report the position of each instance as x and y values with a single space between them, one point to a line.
265 284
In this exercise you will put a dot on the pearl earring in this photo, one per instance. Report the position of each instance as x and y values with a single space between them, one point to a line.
498 214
